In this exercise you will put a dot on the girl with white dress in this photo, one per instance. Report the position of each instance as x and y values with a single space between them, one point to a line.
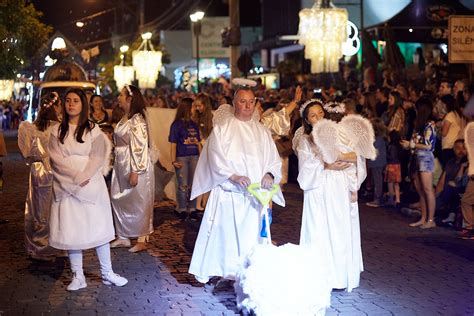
133 181
81 217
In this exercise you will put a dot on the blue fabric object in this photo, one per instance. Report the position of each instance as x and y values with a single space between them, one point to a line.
263 232
186 138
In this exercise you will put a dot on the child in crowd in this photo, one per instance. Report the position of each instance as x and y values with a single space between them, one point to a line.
393 174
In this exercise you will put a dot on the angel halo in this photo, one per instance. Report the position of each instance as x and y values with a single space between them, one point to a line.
335 107
243 82
303 107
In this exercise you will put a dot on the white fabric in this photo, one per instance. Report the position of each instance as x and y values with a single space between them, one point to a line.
159 121
81 217
340 234
230 226
277 122
456 129
285 280
103 254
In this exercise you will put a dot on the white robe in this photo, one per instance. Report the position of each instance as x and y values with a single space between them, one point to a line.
81 217
343 227
231 223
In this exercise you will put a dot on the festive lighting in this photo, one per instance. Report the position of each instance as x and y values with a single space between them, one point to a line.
196 16
58 43
6 89
147 63
124 48
323 30
79 24
123 75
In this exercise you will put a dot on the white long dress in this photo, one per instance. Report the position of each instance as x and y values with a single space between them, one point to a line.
133 206
231 224
81 217
353 133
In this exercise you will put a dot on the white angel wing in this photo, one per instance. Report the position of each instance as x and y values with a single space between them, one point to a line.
469 139
325 136
225 112
360 133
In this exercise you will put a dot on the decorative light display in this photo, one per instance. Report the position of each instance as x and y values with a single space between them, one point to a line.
323 30
6 89
147 63
123 75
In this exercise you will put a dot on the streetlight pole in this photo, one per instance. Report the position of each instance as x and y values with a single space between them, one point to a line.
196 18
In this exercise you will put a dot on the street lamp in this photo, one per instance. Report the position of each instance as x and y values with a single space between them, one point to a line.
196 18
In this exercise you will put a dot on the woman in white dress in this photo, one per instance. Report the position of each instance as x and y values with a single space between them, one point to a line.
133 182
33 139
81 217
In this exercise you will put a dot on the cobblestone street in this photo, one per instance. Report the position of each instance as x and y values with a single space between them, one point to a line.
408 271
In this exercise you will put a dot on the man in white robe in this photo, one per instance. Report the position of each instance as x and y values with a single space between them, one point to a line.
239 151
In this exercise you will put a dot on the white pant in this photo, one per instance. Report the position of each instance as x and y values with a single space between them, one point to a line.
103 253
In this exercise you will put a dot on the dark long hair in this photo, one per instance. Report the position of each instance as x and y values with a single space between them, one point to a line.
183 112
83 125
424 113
204 119
308 128
398 102
452 105
138 103
47 112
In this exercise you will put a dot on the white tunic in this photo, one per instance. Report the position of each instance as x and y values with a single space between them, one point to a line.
81 217
231 223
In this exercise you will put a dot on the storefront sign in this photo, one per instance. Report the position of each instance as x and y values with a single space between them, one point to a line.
210 40
461 39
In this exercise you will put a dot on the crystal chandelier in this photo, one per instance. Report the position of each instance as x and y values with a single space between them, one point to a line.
323 30
123 74
6 89
147 63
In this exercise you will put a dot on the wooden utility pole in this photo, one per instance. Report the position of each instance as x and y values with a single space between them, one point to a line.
234 14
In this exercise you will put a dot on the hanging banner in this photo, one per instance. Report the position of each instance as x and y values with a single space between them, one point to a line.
461 39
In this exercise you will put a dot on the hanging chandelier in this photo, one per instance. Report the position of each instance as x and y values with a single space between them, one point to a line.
147 63
123 75
323 30
6 89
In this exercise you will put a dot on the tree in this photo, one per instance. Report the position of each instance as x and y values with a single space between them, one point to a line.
22 34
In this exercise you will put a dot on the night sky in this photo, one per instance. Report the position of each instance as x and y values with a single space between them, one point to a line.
120 17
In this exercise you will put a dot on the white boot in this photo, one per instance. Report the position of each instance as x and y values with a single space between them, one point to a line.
78 282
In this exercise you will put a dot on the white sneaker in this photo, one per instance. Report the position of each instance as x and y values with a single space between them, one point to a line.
78 282
113 278
120 243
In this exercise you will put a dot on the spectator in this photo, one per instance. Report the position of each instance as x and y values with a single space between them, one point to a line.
377 166
393 175
452 127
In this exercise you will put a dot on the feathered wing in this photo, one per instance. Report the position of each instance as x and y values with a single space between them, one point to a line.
225 112
360 133
325 136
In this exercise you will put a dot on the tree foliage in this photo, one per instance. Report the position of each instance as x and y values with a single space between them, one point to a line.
22 34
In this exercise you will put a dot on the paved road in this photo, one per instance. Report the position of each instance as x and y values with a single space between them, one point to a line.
408 271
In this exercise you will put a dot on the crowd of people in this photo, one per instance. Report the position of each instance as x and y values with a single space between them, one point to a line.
400 146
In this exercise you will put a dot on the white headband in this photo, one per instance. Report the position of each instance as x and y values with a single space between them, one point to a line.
303 107
243 82
335 107
129 90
